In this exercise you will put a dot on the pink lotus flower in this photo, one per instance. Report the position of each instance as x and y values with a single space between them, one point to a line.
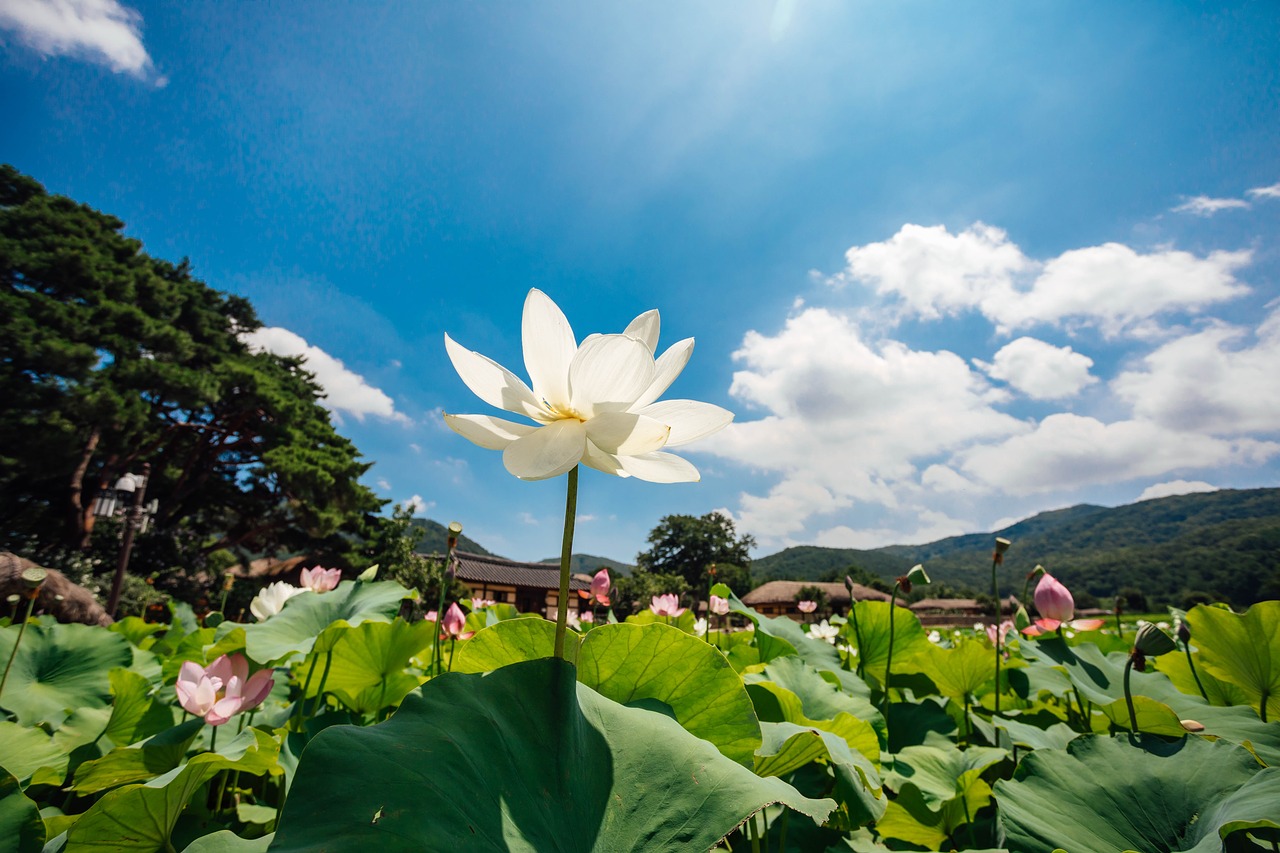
807 606
666 605
600 587
222 689
454 621
997 635
482 603
431 616
586 616
719 606
1056 608
320 580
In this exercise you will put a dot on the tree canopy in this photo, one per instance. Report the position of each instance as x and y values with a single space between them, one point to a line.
688 545
111 358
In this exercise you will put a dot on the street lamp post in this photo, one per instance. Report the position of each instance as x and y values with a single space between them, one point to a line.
129 495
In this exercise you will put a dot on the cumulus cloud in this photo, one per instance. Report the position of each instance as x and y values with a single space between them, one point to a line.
932 526
1067 451
1272 191
102 31
1210 381
1203 205
416 505
846 421
933 273
1176 487
345 391
1040 370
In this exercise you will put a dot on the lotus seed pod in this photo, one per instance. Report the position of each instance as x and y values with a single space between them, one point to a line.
1153 641
1002 545
917 575
33 577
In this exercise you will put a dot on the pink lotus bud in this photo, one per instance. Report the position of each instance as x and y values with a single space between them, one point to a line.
454 621
317 579
600 587
587 616
1054 600
806 606
719 606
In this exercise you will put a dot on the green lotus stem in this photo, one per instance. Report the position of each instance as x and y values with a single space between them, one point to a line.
754 833
782 830
888 660
995 594
1187 647
31 605
452 642
302 700
857 633
324 676
222 791
213 740
968 724
1119 625
1128 695
566 551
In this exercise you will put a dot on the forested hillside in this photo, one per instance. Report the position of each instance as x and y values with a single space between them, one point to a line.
1226 543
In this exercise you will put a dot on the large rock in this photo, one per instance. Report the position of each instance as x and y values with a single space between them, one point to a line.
66 601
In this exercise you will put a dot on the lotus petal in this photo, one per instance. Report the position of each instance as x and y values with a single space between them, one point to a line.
547 452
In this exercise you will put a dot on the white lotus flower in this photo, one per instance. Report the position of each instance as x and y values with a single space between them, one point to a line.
592 403
271 599
824 630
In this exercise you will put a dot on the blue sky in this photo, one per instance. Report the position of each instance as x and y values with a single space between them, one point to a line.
949 264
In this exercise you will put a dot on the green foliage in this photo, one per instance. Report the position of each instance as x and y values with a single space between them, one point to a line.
110 358
688 546
58 669
522 759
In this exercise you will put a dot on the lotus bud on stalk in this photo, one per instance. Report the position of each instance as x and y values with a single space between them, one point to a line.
997 557
1151 641
32 579
1057 608
916 575
853 618
1031 575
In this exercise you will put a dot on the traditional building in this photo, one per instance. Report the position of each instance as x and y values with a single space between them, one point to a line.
778 598
531 587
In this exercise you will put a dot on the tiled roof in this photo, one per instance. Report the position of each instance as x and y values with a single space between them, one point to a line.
775 592
477 567
1009 604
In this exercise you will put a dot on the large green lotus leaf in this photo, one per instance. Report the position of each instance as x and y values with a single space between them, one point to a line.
1053 736
295 628
522 759
779 637
1179 671
141 818
509 641
59 668
137 631
368 668
1154 717
24 750
910 818
190 647
820 699
1243 649
634 664
909 638
135 713
21 829
147 760
1100 679
958 671
685 621
776 704
1132 793
787 747
938 768
226 841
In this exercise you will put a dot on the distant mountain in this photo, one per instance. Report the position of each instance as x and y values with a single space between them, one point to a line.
1225 542
435 539
589 564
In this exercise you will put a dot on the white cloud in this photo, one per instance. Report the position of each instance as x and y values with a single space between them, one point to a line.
1176 487
416 505
1272 191
931 527
845 421
1067 451
584 519
1203 205
1040 370
345 391
527 518
1208 382
102 31
934 274
943 480
383 484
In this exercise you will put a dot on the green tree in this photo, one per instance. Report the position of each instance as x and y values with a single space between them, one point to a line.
688 545
110 358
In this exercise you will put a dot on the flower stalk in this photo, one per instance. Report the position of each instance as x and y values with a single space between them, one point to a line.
32 578
997 558
566 551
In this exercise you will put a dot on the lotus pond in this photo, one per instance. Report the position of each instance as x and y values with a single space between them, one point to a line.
333 734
